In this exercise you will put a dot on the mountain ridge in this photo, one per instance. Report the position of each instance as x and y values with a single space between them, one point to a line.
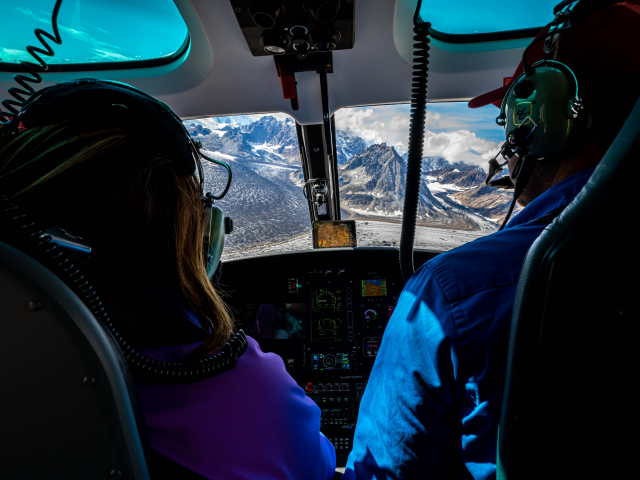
372 178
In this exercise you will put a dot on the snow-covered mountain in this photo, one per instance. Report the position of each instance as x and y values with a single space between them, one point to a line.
372 183
349 144
268 205
374 180
265 140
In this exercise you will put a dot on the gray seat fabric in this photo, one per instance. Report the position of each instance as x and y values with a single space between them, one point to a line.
569 401
68 409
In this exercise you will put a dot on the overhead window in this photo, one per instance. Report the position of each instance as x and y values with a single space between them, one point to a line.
468 17
94 31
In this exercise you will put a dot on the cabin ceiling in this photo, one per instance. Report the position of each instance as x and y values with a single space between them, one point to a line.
219 75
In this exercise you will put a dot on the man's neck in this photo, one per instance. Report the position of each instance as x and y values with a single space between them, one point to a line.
588 158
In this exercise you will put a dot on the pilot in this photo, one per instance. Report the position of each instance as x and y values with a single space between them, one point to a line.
100 175
432 404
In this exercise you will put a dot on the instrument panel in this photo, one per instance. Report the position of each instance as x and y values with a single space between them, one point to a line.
324 312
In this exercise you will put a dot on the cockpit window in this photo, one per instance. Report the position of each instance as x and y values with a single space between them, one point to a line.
464 17
265 201
455 205
271 214
94 31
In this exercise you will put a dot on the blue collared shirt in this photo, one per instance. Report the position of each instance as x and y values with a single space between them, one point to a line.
432 404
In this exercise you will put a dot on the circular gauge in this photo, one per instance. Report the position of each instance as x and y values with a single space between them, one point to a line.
370 316
329 361
326 300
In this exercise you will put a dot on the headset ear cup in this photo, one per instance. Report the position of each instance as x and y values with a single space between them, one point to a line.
216 240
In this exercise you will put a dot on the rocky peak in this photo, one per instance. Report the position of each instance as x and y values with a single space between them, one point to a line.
375 157
271 131
196 129
465 178
349 144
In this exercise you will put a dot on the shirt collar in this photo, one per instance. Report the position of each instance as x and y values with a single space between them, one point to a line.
560 195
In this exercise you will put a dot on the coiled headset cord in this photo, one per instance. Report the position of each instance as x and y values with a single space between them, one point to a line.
421 31
37 244
33 68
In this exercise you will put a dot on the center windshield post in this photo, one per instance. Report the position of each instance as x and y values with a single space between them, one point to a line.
317 141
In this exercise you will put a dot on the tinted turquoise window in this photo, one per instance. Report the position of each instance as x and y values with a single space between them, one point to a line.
94 31
474 16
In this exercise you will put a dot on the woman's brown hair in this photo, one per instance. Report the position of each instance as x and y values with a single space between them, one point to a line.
143 218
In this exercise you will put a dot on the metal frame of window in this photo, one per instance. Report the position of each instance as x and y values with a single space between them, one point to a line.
319 160
485 37
92 67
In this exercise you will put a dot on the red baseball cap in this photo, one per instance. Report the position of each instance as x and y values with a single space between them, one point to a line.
607 40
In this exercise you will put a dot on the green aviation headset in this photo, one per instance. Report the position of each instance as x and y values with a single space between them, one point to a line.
539 112
153 119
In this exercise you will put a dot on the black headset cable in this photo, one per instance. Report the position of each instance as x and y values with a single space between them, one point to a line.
36 243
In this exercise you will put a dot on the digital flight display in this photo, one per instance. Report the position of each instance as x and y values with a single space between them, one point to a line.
327 330
374 288
333 361
371 346
323 300
339 233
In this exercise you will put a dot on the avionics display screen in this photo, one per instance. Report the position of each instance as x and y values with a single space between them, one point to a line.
327 330
276 321
374 288
333 361
340 233
323 300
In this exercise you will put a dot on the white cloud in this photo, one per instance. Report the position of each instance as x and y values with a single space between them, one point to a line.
460 146
363 123
378 125
103 50
451 130
12 55
109 56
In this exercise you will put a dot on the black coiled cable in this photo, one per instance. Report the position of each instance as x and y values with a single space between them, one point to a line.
37 244
421 32
34 69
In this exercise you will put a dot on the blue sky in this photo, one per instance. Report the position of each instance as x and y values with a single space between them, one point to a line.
92 30
454 131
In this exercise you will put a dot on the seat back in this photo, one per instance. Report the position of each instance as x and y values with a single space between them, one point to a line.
568 404
67 404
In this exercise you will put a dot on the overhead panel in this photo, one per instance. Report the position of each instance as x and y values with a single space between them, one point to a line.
280 27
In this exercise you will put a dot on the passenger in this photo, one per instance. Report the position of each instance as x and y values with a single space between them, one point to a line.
432 404
99 176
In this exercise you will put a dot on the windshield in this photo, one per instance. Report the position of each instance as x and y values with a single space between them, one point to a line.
455 205
93 31
265 200
270 212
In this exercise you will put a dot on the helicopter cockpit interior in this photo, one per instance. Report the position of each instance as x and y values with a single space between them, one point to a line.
295 106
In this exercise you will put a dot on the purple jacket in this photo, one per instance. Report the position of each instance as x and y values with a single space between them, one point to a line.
253 422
